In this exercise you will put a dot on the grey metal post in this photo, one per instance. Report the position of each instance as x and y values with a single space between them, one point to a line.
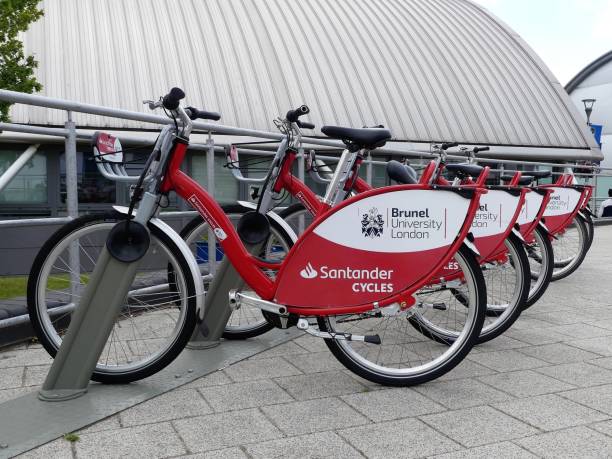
594 195
90 327
369 169
210 175
217 311
72 201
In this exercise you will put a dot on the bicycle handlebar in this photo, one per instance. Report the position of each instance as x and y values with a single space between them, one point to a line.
304 125
479 149
293 115
195 114
447 145
172 100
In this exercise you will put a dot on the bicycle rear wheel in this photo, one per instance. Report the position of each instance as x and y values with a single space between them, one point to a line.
407 355
541 264
570 247
156 319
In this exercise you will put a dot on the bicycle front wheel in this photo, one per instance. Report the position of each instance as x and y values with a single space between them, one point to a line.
570 247
418 344
156 319
541 264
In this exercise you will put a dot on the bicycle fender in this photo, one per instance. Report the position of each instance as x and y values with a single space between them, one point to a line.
470 245
274 216
185 251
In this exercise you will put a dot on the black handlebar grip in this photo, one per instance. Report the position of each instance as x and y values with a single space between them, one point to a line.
293 115
173 98
479 149
447 145
305 125
195 114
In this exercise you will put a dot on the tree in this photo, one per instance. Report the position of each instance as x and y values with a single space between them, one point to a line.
16 69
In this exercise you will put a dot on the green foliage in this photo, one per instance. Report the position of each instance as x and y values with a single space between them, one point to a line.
71 437
16 69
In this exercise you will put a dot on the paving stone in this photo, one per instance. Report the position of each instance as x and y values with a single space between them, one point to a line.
501 343
536 336
578 442
10 394
317 445
604 362
526 322
320 385
316 362
603 427
22 358
461 393
311 344
317 415
221 430
57 449
226 453
525 383
213 379
249 394
550 412
388 404
405 438
11 378
106 424
601 345
558 353
248 370
466 369
288 348
509 360
36 375
599 398
150 441
557 318
582 331
503 450
478 426
581 374
171 405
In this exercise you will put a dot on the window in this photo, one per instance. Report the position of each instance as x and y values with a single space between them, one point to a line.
92 186
29 186
226 186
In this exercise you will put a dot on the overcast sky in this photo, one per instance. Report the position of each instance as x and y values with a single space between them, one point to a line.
566 34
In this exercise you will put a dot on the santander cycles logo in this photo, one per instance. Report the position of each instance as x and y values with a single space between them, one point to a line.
309 272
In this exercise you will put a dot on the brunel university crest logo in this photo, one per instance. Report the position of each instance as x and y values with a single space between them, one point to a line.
372 224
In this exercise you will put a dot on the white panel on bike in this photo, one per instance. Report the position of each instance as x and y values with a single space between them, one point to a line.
400 221
562 201
529 211
495 213
108 148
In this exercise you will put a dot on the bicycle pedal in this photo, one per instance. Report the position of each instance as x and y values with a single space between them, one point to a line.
440 306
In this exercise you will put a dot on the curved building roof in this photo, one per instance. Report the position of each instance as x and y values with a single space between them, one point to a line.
430 70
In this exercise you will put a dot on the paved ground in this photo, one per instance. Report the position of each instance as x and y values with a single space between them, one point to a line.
542 390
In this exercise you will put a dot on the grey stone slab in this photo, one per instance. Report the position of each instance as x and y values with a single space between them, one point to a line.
582 331
311 416
462 393
57 449
111 423
226 453
478 426
550 412
311 344
466 369
405 438
171 405
582 374
24 357
150 441
36 375
526 322
601 345
536 336
317 445
389 404
320 385
509 360
11 378
286 349
603 427
578 442
248 370
558 318
249 394
558 353
221 430
501 343
216 378
599 398
604 362
503 450
316 362
526 383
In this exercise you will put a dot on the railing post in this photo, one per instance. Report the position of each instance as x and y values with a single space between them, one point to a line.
301 176
369 169
72 201
210 175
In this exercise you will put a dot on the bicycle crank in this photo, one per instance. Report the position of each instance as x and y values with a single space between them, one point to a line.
305 326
